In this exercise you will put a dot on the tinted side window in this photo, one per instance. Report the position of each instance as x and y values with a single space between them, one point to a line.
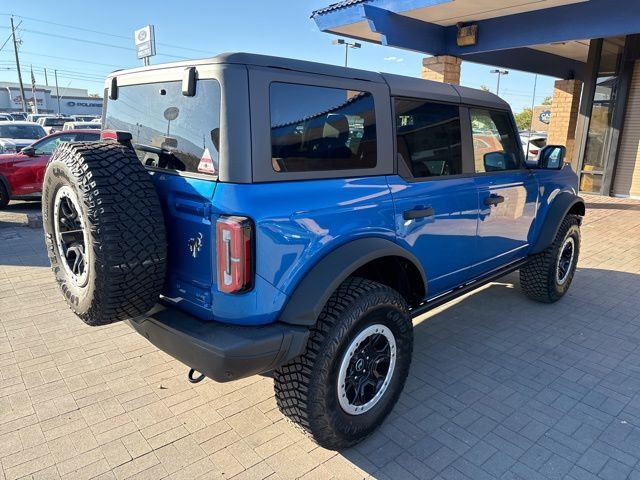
319 128
428 137
495 145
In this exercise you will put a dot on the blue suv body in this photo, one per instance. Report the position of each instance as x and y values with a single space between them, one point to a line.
296 193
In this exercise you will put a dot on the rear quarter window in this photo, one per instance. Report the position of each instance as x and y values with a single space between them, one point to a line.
320 128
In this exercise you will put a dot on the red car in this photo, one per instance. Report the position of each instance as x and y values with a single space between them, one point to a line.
21 174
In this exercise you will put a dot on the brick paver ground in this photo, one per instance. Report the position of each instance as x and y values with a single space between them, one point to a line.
500 387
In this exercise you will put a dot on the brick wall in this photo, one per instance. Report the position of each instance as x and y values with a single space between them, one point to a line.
442 69
564 114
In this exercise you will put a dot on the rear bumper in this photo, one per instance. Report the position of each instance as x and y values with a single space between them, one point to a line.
219 351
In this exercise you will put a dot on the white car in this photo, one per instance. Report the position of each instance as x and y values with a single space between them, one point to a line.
53 124
14 136
81 126
531 144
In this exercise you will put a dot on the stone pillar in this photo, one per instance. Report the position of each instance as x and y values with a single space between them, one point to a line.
564 114
442 69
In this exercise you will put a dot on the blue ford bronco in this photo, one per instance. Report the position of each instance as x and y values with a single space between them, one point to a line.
249 214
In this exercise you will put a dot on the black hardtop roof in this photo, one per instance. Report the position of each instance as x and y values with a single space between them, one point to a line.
399 85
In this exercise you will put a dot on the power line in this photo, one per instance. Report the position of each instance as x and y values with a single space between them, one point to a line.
113 35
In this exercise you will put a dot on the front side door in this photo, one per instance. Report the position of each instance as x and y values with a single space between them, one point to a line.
507 192
436 206
30 173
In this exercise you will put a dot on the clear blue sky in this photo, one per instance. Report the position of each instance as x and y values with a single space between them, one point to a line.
49 33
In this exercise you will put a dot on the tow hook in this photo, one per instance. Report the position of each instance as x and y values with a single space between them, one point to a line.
193 379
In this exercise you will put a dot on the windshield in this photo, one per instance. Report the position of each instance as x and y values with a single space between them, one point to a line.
170 130
55 122
26 132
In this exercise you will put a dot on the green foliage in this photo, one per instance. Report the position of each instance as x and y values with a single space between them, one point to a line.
547 101
523 119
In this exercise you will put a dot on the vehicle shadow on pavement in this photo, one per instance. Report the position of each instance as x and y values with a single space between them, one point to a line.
613 206
500 383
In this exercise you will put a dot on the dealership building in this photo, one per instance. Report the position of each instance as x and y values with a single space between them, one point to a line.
69 101
591 46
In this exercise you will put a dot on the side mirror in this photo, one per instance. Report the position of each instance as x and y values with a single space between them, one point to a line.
552 157
494 161
28 151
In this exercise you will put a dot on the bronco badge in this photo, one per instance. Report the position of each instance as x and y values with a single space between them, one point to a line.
195 244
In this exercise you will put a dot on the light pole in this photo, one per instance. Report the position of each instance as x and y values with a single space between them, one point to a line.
347 46
500 73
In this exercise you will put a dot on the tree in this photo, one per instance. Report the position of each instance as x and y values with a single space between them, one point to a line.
484 88
523 119
95 95
547 101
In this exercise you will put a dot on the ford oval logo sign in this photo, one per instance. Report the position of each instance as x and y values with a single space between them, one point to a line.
545 116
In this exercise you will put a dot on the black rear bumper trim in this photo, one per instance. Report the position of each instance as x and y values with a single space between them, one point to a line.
220 351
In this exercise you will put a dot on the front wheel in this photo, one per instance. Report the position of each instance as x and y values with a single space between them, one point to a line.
354 368
548 274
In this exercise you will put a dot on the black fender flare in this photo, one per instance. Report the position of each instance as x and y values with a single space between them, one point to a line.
558 209
307 301
6 184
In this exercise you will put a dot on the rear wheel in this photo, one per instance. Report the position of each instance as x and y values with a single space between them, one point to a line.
548 274
104 231
354 368
4 196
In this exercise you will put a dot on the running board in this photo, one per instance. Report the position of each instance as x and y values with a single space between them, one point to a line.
467 287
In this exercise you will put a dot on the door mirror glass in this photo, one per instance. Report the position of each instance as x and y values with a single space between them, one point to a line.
28 151
552 157
495 161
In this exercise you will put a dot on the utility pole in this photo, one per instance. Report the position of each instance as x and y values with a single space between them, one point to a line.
46 80
55 72
15 49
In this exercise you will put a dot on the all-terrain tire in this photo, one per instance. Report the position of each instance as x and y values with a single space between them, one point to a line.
539 277
307 387
123 231
4 196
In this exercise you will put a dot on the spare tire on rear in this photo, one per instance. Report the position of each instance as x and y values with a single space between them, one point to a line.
104 231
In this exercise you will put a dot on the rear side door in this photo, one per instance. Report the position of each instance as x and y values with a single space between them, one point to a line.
507 191
436 204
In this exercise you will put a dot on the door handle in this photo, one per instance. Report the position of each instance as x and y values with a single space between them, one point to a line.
418 213
493 200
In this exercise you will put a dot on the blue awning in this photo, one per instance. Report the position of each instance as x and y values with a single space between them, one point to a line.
548 37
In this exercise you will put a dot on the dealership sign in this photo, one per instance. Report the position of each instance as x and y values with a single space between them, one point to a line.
145 42
84 104
545 116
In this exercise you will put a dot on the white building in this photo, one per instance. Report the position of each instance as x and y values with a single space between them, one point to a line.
72 101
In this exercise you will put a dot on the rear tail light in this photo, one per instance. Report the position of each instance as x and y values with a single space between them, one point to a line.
116 135
533 152
234 252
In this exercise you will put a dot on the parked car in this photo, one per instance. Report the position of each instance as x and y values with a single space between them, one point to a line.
85 118
532 144
301 227
15 135
52 124
81 126
19 116
34 117
6 117
21 174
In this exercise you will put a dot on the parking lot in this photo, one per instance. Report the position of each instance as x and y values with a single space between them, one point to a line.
500 386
